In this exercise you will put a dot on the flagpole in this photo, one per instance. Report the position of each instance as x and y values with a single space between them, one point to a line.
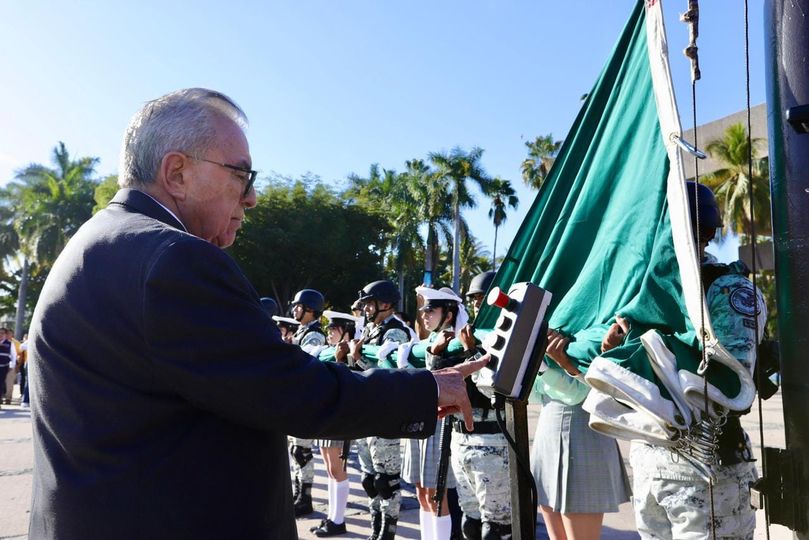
787 77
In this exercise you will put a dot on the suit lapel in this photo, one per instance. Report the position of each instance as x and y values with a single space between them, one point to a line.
137 201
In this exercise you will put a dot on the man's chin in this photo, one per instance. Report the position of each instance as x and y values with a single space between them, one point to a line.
224 240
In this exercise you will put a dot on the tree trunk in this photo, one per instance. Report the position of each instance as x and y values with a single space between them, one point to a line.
494 251
456 250
22 294
401 290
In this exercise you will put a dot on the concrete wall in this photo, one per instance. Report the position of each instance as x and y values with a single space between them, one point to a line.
716 130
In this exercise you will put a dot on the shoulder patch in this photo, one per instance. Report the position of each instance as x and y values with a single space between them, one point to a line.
743 300
749 323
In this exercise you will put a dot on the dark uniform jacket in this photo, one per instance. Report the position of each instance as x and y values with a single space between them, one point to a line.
163 394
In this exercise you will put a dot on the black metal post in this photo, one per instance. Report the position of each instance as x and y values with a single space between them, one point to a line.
787 77
522 509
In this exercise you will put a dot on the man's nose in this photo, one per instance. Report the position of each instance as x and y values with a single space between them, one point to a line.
249 200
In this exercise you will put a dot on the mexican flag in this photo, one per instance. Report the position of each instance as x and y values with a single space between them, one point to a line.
610 233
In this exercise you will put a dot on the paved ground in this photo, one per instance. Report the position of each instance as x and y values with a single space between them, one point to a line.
16 465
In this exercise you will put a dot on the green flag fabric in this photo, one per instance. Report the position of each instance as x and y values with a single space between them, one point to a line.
600 236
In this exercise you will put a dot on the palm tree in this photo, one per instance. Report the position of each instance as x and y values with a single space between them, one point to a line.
732 184
541 155
431 194
44 208
474 258
457 166
105 191
503 195
388 192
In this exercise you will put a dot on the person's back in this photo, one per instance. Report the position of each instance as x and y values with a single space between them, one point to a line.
110 427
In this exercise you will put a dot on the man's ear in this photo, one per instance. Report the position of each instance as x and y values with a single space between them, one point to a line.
174 175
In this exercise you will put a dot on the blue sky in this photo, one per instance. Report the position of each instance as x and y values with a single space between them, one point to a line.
331 87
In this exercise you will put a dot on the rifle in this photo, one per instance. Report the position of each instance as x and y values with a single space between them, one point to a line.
443 462
344 453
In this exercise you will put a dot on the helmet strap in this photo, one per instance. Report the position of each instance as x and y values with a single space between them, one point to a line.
378 311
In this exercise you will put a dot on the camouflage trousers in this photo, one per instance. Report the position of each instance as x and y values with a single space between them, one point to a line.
305 474
480 466
672 501
378 455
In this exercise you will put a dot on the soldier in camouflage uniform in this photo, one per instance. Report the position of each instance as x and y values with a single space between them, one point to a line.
480 458
671 499
478 288
307 306
380 459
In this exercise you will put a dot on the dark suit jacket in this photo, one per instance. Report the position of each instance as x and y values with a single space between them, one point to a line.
162 393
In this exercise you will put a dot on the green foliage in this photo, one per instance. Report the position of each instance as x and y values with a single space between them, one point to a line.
105 191
431 194
303 235
48 205
474 260
39 212
732 183
389 194
9 286
765 281
457 167
541 155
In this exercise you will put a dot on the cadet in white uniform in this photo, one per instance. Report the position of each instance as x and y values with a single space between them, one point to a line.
341 328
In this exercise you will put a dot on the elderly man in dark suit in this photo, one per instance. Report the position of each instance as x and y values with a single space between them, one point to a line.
134 436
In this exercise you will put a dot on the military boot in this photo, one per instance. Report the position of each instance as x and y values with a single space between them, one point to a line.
376 525
296 488
388 529
303 504
470 527
495 531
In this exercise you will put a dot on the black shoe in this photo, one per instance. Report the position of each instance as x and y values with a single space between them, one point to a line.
388 530
376 525
316 527
330 528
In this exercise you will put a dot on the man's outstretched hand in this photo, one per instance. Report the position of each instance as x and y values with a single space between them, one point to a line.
452 396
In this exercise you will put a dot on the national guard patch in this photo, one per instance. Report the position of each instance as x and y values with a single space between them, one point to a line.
743 300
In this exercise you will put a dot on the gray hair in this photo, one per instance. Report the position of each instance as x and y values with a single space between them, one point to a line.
182 121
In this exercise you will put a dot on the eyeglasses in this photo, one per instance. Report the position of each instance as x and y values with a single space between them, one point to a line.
248 180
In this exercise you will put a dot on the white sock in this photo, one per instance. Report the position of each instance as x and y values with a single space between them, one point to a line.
332 487
340 501
443 527
426 525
